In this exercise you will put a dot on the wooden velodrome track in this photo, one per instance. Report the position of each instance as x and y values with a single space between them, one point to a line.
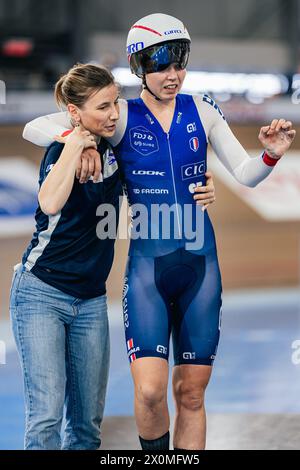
252 252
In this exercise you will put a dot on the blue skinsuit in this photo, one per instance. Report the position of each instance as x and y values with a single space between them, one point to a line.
173 284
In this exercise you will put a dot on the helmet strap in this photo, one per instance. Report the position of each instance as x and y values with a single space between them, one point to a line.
145 86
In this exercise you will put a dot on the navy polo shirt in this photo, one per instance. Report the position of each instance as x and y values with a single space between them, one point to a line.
65 251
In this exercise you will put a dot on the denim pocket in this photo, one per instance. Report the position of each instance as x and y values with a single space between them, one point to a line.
31 289
27 281
30 280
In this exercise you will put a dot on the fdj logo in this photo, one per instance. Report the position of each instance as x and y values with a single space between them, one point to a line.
193 170
143 141
138 135
132 48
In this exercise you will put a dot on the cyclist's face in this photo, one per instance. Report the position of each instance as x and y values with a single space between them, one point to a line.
168 83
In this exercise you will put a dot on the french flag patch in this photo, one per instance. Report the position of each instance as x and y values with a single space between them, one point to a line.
194 144
130 344
132 358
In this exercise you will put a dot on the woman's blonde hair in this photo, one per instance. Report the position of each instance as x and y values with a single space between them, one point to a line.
80 82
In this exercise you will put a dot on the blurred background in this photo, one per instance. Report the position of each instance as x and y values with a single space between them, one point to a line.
246 55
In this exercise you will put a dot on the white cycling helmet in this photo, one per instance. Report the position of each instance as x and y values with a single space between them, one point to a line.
156 41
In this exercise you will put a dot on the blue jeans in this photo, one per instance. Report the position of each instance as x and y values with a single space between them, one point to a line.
63 344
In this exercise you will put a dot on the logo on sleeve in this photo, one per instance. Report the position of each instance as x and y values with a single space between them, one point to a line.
111 158
210 101
110 164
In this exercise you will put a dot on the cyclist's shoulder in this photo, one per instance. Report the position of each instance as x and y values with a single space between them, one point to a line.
207 107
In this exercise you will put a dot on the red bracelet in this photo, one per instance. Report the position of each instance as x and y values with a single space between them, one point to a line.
64 134
269 160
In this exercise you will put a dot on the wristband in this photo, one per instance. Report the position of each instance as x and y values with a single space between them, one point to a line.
270 161
64 134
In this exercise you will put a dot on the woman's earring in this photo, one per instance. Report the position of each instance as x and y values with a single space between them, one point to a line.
77 122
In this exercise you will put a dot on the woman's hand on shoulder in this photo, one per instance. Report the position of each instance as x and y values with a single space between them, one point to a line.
79 136
90 160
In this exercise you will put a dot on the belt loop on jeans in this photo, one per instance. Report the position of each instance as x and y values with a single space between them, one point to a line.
19 267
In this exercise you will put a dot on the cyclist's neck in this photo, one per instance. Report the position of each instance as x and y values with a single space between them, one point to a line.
154 104
163 111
